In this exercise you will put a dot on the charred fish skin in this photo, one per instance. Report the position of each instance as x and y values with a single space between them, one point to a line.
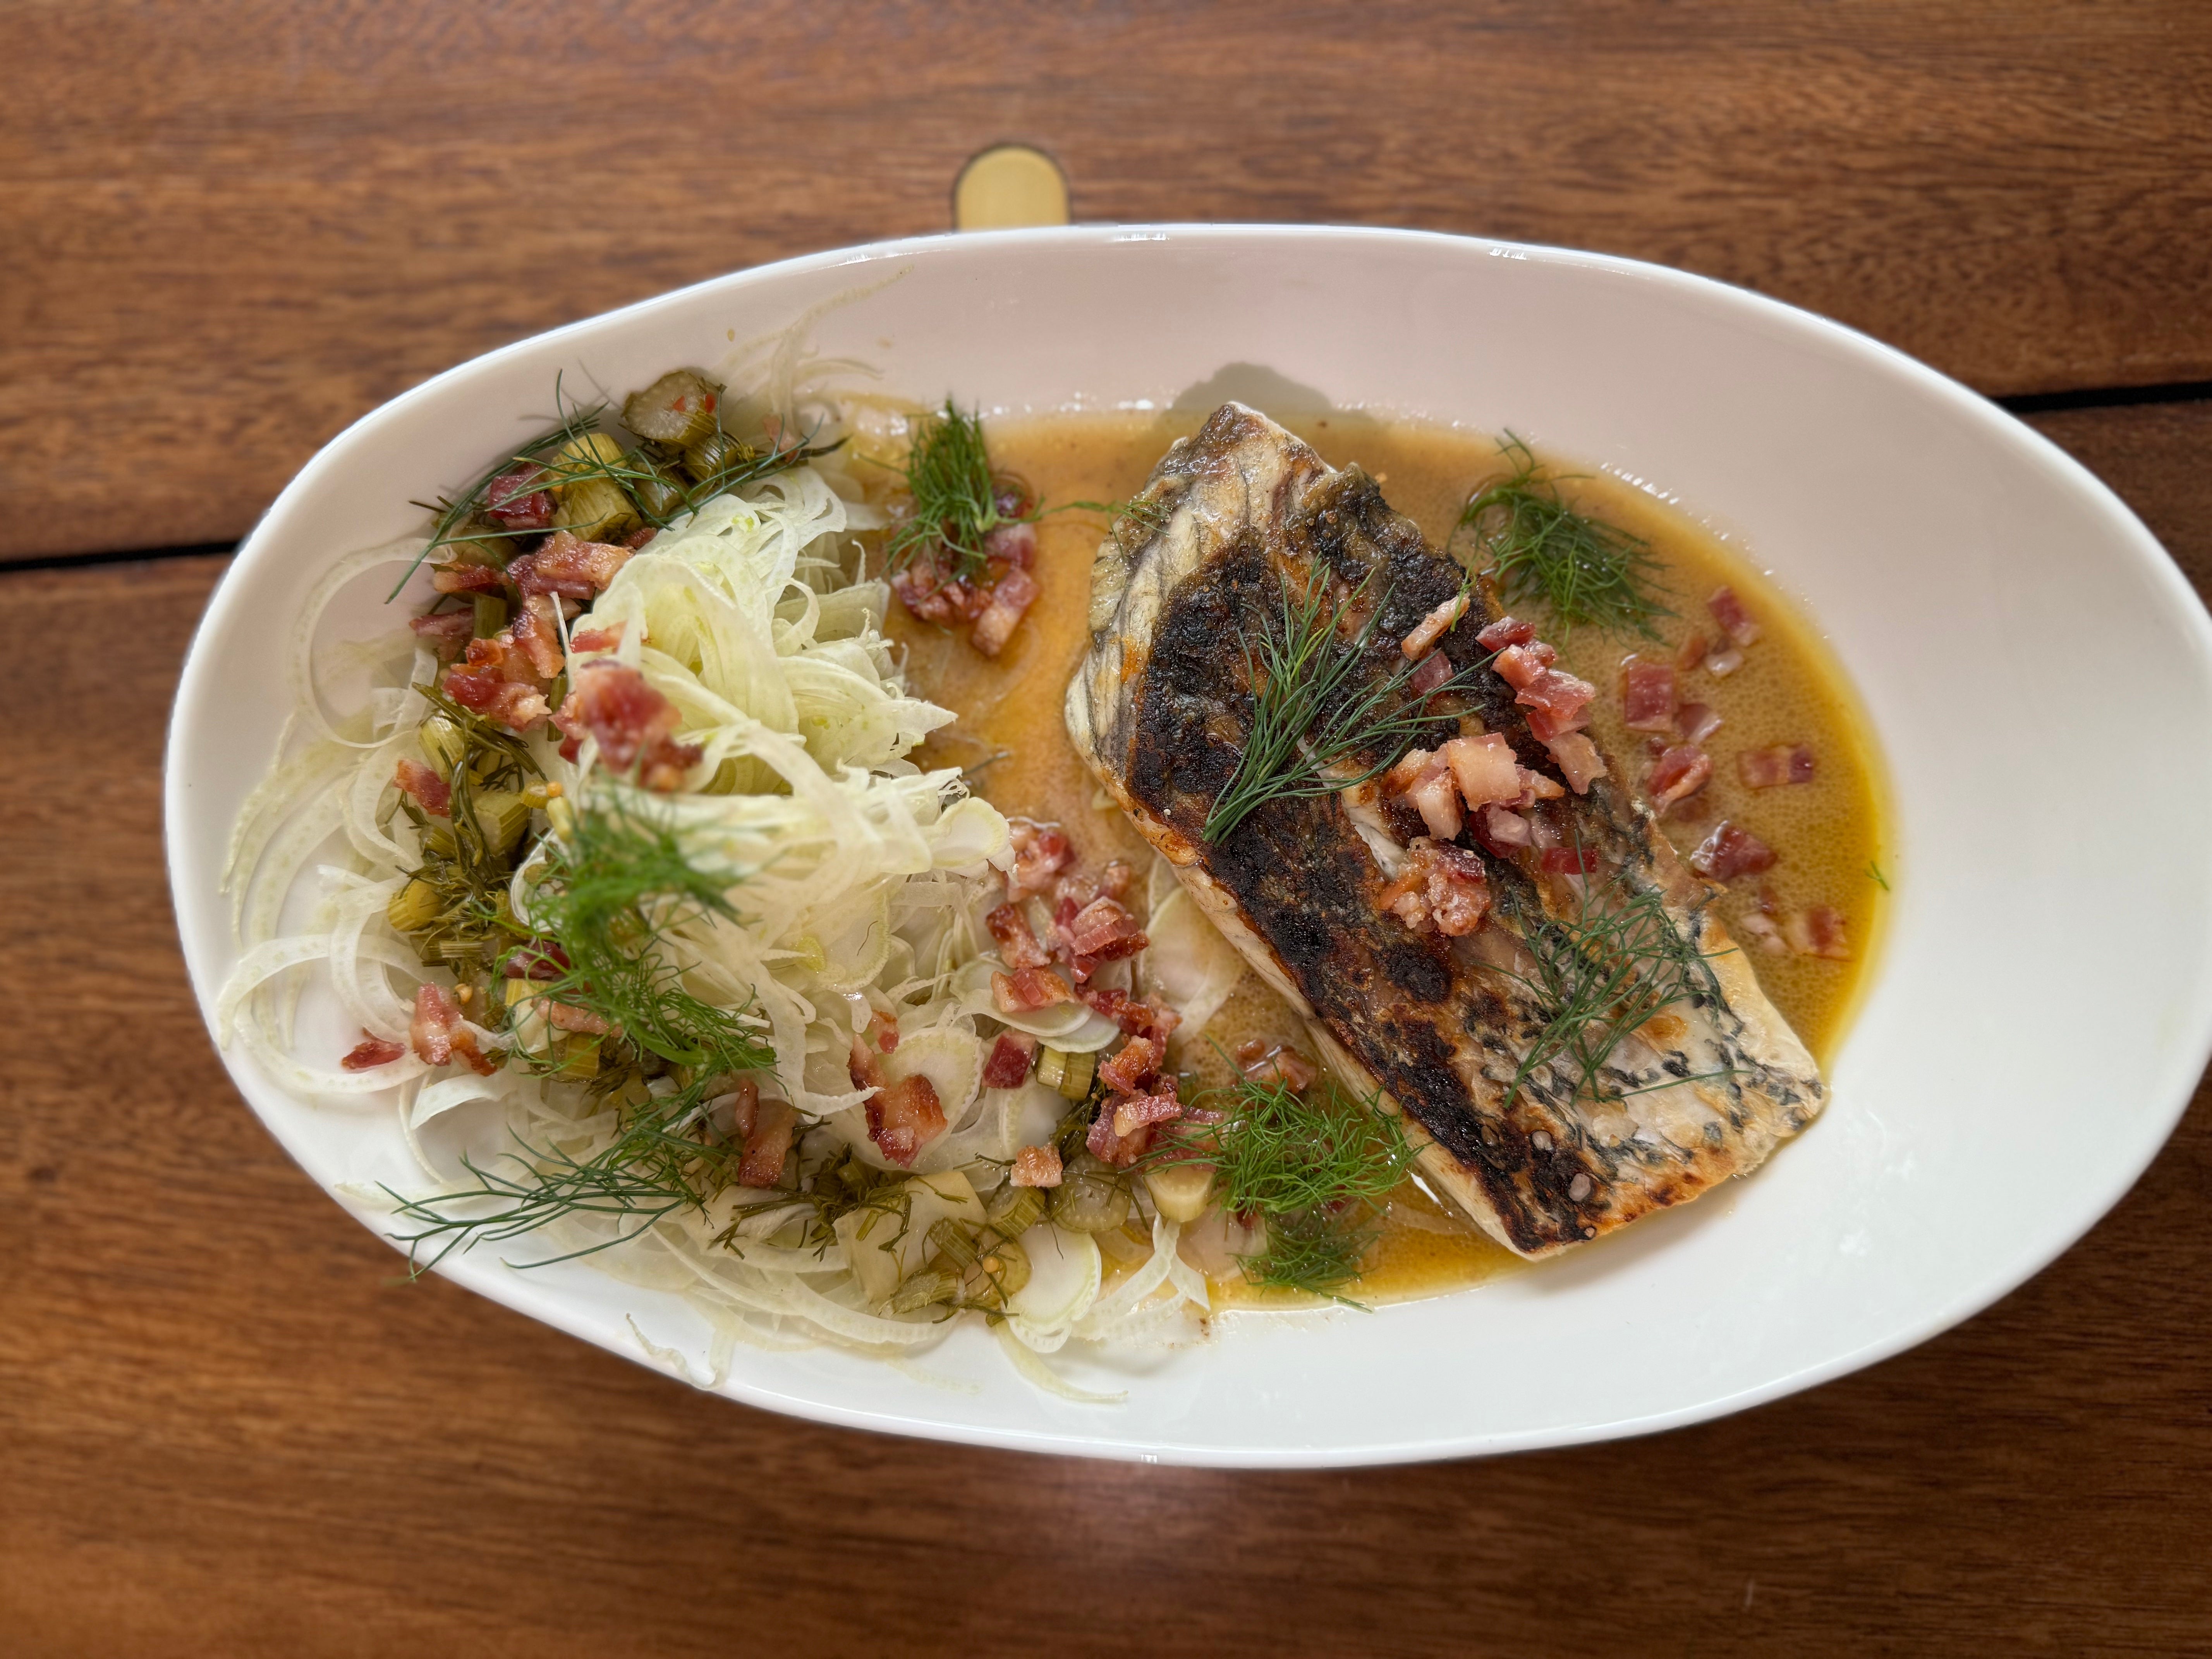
1161 708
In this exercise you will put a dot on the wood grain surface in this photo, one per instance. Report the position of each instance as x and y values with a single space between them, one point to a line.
229 1429
227 230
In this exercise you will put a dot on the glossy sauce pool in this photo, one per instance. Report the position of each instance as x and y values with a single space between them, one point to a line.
1827 832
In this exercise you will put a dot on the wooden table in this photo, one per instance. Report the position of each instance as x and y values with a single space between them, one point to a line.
227 230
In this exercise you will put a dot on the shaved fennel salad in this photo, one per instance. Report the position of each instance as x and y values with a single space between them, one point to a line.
623 848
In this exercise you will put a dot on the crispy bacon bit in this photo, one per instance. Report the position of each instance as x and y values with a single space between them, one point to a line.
1762 932
1105 932
744 1103
1484 769
1433 627
1435 797
1014 544
863 1065
1692 653
1072 892
371 1052
1647 696
1431 676
904 1117
493 680
537 634
1569 861
1505 631
437 1034
633 724
768 1143
924 589
1727 610
1729 851
1036 1166
1042 851
569 1017
1136 1112
1441 886
1579 761
1506 829
1027 989
432 793
570 567
467 579
1016 591
1008 1066
446 632
1535 786
1111 1148
1150 1017
1017 941
542 958
1817 931
1272 1063
1402 777
1678 775
598 639
1136 1065
883 1032
513 502
1117 877
1699 721
1773 768
1721 663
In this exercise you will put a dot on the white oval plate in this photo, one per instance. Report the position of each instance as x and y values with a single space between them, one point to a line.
2037 672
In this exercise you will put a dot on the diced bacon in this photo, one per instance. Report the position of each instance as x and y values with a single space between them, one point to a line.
598 639
1521 666
1692 653
437 1034
540 959
1535 786
1036 1166
924 589
1016 543
768 1143
467 579
883 1032
537 634
1817 931
1150 1017
514 705
1017 941
1016 591
371 1052
569 567
513 502
1042 851
431 793
1556 703
743 1104
1773 768
1505 828
1441 886
1730 852
1434 673
1721 663
1569 860
446 632
1008 1067
1677 774
904 1117
1435 797
1403 776
1110 1148
1265 1062
1072 892
1027 989
1697 721
1115 879
863 1065
1484 769
1727 610
1762 932
1579 761
568 1016
1647 696
1137 1112
1130 1070
1506 630
1433 627
633 724
1105 932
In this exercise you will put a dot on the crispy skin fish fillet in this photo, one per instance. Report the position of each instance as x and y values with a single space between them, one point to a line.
1159 709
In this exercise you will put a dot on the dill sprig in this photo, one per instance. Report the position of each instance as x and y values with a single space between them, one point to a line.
1312 1166
1875 874
954 495
1600 974
657 481
1540 548
1312 710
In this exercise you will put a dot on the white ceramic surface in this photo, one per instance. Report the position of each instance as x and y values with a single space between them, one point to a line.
2039 674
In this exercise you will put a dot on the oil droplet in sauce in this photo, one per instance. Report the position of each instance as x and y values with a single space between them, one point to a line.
1789 690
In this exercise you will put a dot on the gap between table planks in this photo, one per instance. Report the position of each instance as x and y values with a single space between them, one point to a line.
231 1431
227 230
